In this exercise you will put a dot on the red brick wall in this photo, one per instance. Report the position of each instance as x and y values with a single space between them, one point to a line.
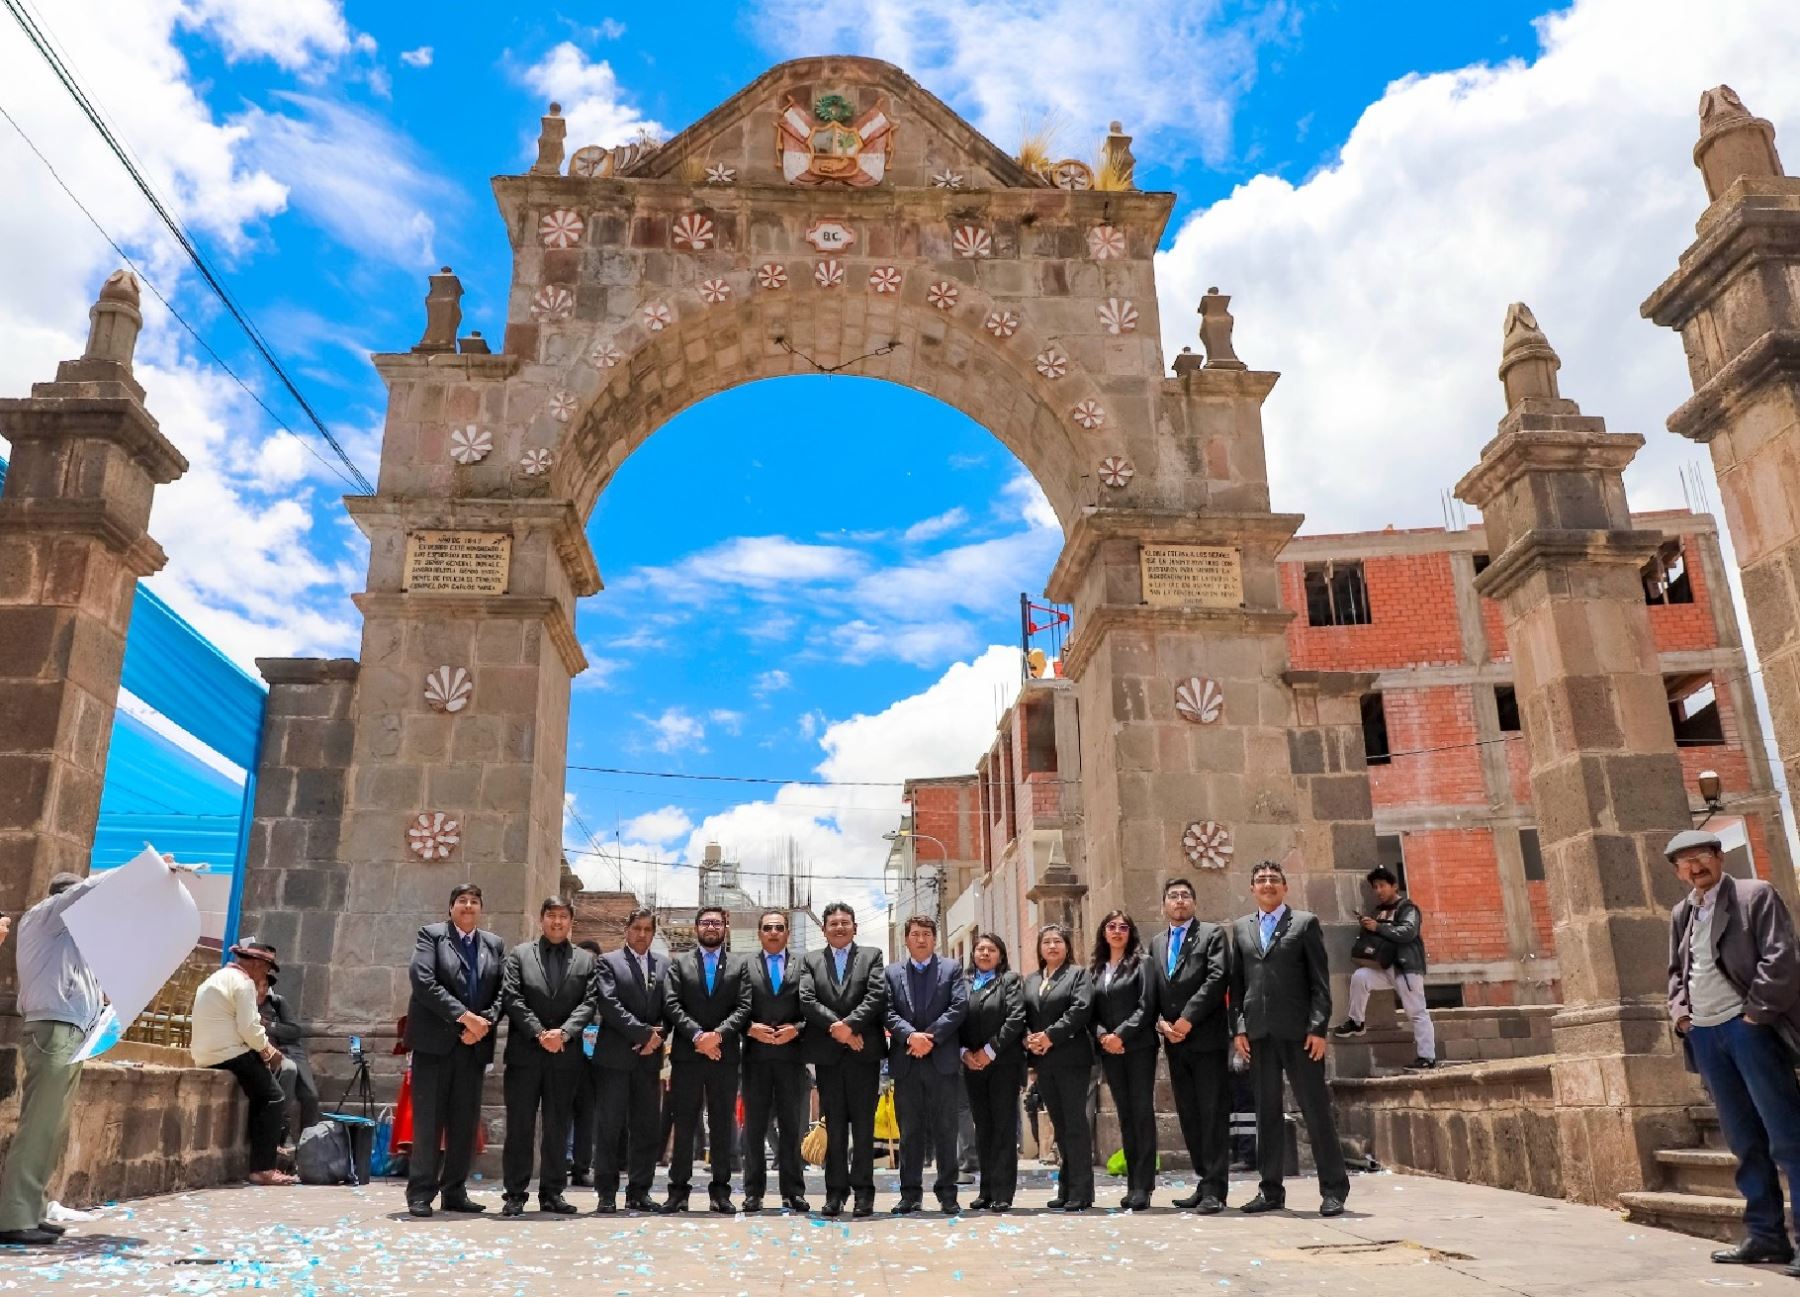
1412 608
1455 877
1686 625
1419 720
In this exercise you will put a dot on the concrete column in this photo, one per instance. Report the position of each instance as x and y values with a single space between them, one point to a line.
1733 300
74 539
1605 777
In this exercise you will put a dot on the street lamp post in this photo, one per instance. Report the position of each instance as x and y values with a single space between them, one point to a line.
937 882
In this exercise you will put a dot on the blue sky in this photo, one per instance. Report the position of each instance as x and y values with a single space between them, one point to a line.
817 578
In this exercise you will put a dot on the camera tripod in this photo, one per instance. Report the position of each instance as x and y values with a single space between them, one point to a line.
361 1084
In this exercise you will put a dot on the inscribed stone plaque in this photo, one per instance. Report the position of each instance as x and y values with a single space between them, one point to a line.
457 562
1193 576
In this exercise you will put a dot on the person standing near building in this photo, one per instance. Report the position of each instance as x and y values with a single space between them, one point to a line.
1189 970
584 1112
450 1021
627 1066
843 994
227 1034
1734 999
1394 960
927 999
707 1002
774 1069
295 1075
1125 1036
993 1055
546 986
1281 997
1059 1002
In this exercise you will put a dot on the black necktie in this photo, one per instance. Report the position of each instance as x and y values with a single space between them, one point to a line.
637 970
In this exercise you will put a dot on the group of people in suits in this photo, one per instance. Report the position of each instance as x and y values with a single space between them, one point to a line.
751 1024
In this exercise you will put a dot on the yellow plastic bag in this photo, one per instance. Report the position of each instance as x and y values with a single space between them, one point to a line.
812 1148
886 1126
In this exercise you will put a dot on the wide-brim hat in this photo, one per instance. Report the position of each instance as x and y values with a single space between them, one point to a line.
255 949
1691 839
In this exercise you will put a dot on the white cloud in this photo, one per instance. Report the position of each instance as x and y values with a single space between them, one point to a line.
296 35
773 681
770 564
1023 494
1379 285
676 730
597 109
920 644
419 58
1173 68
726 719
660 826
602 671
940 525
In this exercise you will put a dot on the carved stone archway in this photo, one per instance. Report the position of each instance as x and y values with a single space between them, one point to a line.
647 281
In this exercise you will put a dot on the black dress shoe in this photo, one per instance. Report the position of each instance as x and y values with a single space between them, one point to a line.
1756 1251
605 1207
462 1202
1076 1206
720 1204
641 1202
752 1204
907 1205
1128 1202
48 1228
419 1207
865 1206
26 1238
980 1204
1001 1206
948 1204
1262 1202
512 1207
1329 1206
1139 1202
556 1205
1188 1201
1057 1203
581 1180
834 1205
1210 1206
796 1203
674 1202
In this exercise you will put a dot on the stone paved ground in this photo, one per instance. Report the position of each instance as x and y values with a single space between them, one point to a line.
1403 1237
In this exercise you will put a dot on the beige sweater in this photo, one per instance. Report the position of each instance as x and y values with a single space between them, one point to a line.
226 1022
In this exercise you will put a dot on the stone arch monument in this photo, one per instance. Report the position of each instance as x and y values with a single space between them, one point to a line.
833 216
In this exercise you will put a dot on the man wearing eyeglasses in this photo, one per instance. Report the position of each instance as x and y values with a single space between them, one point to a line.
1189 974
707 998
774 1069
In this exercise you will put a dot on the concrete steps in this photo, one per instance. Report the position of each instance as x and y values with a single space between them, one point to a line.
1698 1195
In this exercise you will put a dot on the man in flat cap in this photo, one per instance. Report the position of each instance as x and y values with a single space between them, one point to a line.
1734 997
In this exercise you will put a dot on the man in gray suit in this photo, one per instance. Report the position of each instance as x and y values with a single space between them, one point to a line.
1281 1000
546 986
628 992
927 998
844 997
1734 997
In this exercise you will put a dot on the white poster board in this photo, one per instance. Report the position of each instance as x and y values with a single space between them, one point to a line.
134 928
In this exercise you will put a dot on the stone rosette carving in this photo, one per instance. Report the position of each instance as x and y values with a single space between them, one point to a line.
433 835
1117 315
1200 700
604 355
470 444
658 316
971 241
720 174
552 302
943 294
829 274
1088 414
1116 471
561 406
1002 324
535 463
448 689
772 275
948 179
693 231
1105 242
587 161
1207 843
714 291
1051 363
885 279
561 228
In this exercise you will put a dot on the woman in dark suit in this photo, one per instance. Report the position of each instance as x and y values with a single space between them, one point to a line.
1059 1001
993 1059
1123 1027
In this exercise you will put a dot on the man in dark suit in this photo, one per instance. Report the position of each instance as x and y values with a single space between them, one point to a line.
774 1068
707 1002
927 998
585 1112
628 991
450 1019
1189 972
546 988
844 997
1281 999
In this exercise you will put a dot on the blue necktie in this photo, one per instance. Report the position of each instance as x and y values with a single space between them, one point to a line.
775 973
841 956
1268 929
1175 936
712 968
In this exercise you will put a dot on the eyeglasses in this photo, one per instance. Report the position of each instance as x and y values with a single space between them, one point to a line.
774 927
1179 894
1118 925
709 923
1260 879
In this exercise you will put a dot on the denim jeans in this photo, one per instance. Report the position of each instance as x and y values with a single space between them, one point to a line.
1747 1071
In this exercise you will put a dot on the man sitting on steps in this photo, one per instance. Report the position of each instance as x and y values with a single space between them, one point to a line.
1396 962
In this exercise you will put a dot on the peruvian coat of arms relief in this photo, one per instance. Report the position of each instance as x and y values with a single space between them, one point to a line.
830 145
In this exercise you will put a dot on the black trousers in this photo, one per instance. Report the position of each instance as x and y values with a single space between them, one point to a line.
268 1106
630 1118
925 1106
848 1093
535 1090
774 1089
1064 1091
1269 1059
1201 1080
584 1118
993 1094
1131 1078
695 1083
446 1110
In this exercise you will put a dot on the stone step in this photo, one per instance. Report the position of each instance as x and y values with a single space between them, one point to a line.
1704 1171
1706 1120
1702 1215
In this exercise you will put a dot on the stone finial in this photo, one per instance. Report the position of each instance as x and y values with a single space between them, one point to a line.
550 143
443 313
1116 158
1215 331
1187 362
114 320
1732 143
1528 363
474 345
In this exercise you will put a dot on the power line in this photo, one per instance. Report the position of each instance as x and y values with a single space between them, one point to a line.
42 44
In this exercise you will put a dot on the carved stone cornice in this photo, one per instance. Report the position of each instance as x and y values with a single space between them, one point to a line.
1772 358
522 607
1519 451
445 366
1267 531
1545 547
1756 220
121 420
95 519
490 513
1094 626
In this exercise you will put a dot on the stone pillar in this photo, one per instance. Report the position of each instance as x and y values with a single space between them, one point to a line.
1733 300
74 539
1605 777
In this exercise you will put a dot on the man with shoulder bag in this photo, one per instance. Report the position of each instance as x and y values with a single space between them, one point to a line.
1390 955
